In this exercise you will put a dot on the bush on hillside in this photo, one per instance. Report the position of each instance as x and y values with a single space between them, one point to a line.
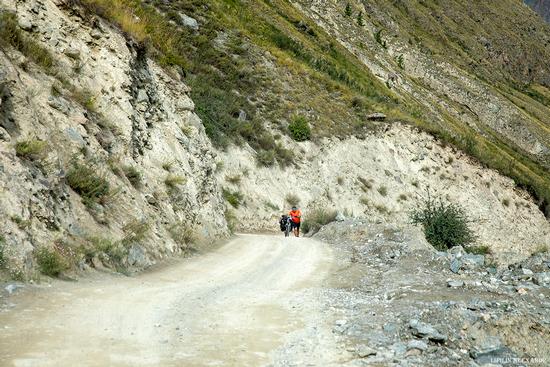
50 262
235 198
30 149
91 187
445 224
11 35
299 129
317 218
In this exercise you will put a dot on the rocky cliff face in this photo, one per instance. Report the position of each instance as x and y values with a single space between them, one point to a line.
103 147
542 7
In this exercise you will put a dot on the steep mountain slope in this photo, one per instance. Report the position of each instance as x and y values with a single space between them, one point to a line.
481 69
476 75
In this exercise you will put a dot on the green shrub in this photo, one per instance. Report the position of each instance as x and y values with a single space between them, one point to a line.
50 262
85 181
401 63
445 224
348 11
11 35
182 234
383 190
360 21
173 181
234 198
317 218
292 199
299 129
378 38
30 149
21 223
265 158
133 175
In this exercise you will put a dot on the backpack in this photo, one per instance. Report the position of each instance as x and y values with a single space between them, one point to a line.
282 222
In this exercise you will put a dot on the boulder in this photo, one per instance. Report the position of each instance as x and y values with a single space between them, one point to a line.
189 22
73 53
364 351
423 330
542 279
25 24
417 344
455 283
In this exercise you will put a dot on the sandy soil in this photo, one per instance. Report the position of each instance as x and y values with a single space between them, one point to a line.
236 306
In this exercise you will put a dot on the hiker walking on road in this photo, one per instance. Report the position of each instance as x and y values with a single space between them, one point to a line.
295 217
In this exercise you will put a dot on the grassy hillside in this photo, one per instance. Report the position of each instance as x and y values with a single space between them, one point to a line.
254 66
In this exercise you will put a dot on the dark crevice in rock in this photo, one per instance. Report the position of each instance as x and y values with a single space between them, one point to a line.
7 121
144 100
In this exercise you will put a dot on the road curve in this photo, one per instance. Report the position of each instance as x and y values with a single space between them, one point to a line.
231 307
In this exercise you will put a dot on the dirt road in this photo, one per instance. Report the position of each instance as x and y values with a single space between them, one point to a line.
245 304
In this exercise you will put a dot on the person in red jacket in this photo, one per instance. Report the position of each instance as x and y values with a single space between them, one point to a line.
295 218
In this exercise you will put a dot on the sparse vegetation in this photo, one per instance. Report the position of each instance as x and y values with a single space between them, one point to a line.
133 175
378 38
299 129
383 190
506 202
231 220
183 234
477 250
30 149
365 184
85 98
402 197
400 61
167 166
292 199
21 223
317 218
541 249
340 180
348 11
233 179
382 209
360 21
271 206
173 181
135 231
50 262
265 158
84 180
11 35
235 198
445 224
